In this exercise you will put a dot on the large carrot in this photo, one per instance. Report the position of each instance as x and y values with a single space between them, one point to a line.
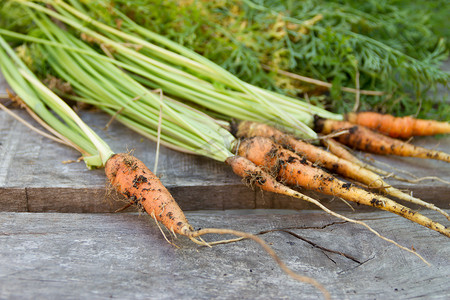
329 161
398 127
294 170
362 138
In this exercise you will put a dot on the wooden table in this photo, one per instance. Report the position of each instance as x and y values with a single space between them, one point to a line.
60 239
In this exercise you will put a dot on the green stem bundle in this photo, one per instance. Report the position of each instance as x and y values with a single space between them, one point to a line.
39 98
208 85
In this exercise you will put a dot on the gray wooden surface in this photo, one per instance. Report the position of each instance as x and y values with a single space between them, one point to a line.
124 256
34 178
97 256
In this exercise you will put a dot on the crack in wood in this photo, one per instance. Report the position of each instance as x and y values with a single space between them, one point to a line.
314 227
357 266
315 245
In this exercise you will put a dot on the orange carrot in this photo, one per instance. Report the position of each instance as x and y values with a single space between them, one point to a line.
253 174
339 150
294 170
130 177
398 127
362 138
133 179
328 160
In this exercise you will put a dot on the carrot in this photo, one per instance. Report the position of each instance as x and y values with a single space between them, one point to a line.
398 127
339 150
359 137
253 174
130 177
294 170
328 160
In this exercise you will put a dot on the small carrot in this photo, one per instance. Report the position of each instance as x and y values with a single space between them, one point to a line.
339 150
294 170
398 127
362 138
130 177
328 160
253 174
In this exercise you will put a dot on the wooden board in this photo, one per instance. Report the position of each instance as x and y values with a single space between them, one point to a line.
34 178
124 256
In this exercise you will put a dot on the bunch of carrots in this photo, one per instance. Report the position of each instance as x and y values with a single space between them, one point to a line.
122 83
127 174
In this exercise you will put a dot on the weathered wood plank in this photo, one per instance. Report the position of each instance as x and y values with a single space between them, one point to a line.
97 256
13 199
29 161
32 166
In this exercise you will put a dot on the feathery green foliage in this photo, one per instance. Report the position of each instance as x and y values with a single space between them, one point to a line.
394 46
181 72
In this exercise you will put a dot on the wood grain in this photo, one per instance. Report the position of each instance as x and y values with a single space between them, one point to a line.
34 178
98 256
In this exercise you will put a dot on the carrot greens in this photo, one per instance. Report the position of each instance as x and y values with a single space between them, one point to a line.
178 75
391 46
